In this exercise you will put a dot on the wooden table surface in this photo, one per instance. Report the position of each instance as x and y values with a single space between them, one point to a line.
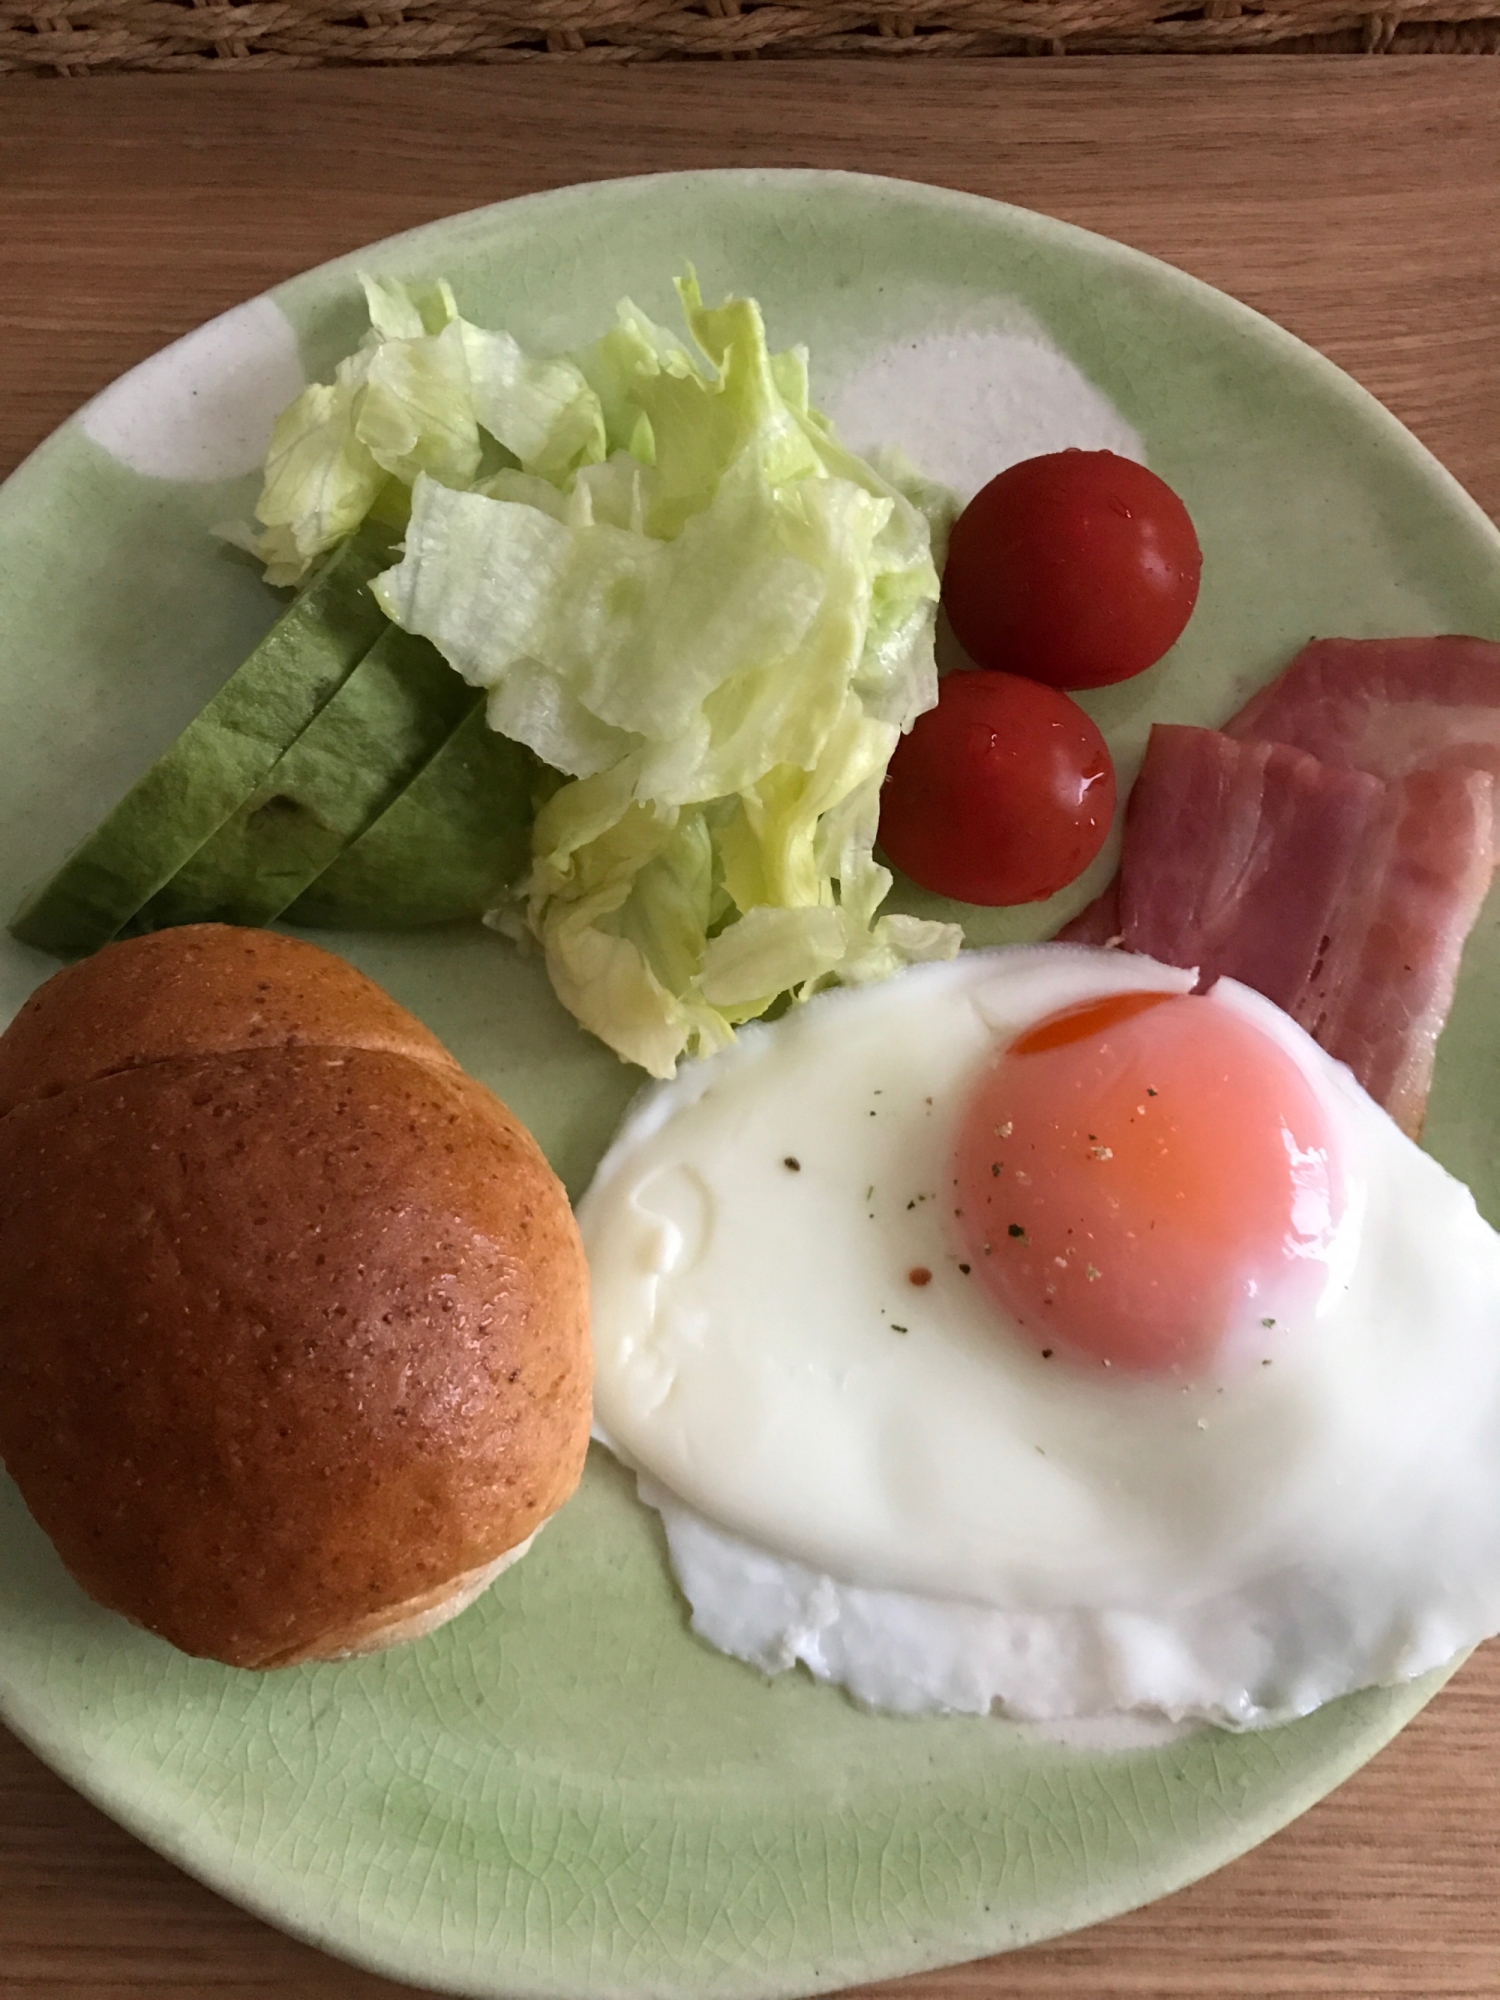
1356 200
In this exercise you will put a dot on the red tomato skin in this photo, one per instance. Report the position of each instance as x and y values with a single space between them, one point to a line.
1079 569
1001 794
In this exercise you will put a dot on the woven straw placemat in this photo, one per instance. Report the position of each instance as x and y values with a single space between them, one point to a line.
84 37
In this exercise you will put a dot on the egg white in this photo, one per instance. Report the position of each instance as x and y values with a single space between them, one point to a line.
882 1481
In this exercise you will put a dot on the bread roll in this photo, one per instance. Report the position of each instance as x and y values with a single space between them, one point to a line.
205 989
293 1314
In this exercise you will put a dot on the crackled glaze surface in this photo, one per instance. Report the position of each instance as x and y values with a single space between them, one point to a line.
563 1793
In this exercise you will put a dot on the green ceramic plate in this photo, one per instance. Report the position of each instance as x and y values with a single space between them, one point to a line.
563 1792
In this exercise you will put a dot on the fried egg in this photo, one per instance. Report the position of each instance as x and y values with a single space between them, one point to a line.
1031 1333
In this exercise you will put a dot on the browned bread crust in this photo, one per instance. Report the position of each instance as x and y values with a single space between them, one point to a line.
293 1338
199 990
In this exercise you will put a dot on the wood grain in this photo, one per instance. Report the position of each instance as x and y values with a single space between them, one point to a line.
1356 202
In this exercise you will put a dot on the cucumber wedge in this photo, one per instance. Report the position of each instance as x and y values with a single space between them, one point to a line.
400 704
448 847
218 761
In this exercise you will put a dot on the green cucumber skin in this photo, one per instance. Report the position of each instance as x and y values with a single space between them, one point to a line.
398 706
220 758
449 847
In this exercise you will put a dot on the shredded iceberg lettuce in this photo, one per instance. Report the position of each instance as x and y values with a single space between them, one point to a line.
688 599
416 397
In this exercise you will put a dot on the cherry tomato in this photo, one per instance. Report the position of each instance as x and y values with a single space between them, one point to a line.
1078 569
1001 794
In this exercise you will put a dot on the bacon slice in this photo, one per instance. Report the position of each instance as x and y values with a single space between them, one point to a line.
1342 896
1388 706
1387 983
1420 715
1237 856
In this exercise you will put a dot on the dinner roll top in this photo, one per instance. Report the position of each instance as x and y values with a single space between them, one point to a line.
199 990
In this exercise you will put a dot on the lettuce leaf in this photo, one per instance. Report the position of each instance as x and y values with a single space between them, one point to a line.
680 592
711 618
417 398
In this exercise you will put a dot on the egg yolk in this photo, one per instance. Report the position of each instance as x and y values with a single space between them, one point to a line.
1146 1180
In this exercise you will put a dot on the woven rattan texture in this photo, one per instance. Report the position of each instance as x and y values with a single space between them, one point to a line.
82 37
